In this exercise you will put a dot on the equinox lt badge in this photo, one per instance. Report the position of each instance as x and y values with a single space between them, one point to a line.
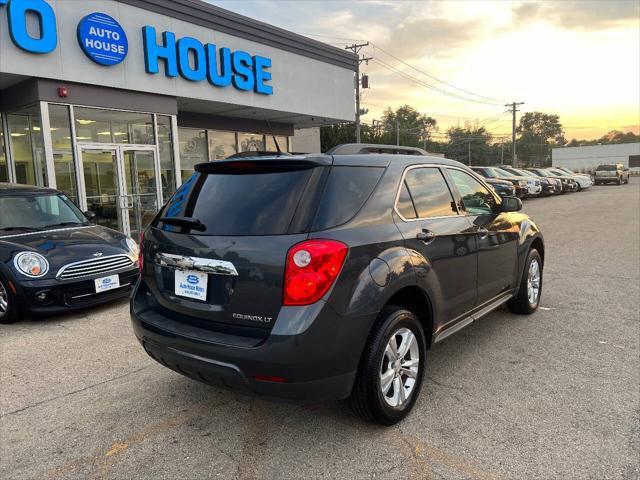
253 318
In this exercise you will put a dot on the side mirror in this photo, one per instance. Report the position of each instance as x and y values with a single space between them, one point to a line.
90 215
511 204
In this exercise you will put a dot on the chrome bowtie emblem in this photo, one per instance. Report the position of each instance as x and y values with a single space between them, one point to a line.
98 254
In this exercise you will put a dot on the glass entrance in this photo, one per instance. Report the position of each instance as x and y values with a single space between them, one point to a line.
120 186
141 189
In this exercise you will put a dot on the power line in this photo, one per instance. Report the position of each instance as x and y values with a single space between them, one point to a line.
428 85
433 77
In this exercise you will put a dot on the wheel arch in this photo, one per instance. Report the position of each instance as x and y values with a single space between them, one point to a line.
416 300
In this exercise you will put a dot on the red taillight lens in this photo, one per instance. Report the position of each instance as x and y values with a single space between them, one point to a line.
140 252
312 266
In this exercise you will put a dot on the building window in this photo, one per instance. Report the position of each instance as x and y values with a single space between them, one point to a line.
4 166
94 125
193 150
27 150
251 142
271 144
221 144
634 161
165 146
63 158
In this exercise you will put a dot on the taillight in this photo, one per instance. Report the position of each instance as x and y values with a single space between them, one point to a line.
312 267
140 252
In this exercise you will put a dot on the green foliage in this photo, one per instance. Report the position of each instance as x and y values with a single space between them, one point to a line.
614 136
475 140
538 132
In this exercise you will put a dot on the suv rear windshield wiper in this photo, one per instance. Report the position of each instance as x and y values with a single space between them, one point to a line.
186 222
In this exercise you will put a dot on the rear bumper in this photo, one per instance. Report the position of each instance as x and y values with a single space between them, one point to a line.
311 354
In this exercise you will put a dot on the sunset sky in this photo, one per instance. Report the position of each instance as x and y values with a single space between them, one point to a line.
578 59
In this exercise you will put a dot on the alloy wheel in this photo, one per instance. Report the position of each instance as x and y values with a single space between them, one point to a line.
533 282
399 368
4 301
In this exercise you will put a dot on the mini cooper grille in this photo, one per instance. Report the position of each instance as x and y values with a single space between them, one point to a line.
94 266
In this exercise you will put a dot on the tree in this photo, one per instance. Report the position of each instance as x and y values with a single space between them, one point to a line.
415 128
614 136
471 139
538 131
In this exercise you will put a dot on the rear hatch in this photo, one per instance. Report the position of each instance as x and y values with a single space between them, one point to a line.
606 171
219 255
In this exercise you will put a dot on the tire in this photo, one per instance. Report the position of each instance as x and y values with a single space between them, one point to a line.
368 399
8 306
521 303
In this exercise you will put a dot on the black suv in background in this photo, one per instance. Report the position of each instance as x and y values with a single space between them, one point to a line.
323 277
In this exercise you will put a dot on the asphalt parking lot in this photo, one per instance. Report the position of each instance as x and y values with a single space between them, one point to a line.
554 395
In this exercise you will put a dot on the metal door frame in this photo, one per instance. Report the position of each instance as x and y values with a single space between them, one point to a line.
122 202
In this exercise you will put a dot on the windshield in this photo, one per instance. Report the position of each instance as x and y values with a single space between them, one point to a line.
36 212
524 173
607 167
566 170
504 173
562 173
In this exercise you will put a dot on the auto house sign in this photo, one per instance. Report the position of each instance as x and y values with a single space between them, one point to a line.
104 41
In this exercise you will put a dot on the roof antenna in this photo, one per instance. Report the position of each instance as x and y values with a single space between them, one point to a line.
272 134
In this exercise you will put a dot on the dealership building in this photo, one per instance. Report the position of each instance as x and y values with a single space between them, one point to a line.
114 102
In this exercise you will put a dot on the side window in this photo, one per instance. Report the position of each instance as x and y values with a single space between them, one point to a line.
425 194
477 200
405 203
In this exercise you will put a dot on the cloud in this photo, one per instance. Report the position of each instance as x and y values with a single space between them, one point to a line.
580 15
436 37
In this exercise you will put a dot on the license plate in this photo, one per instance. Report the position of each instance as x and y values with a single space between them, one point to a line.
107 283
191 284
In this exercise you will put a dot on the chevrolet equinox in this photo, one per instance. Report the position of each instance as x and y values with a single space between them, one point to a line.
322 277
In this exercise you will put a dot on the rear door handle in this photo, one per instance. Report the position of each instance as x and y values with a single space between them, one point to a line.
482 232
426 236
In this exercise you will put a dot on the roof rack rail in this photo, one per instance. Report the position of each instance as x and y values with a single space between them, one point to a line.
369 148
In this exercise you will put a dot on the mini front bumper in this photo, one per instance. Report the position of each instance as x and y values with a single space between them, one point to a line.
62 296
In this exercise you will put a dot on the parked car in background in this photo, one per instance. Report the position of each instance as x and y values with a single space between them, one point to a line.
547 186
53 259
322 277
566 184
520 185
583 181
504 188
534 186
611 173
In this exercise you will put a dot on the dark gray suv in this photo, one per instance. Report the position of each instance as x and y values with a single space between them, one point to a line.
323 277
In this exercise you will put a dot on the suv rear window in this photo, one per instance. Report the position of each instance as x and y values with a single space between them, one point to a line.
607 167
344 195
260 203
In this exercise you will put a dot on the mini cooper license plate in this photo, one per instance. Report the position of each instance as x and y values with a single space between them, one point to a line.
191 284
107 283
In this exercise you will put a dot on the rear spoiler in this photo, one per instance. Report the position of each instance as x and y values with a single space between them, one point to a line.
262 164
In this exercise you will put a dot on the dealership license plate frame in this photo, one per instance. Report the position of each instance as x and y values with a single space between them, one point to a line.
186 287
104 284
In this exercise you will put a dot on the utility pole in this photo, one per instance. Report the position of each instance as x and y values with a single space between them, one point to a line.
469 152
513 106
502 151
355 48
397 131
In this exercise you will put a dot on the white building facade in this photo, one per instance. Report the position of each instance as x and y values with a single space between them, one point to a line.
587 158
114 101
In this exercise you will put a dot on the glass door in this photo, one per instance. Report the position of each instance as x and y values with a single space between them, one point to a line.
140 188
102 188
120 185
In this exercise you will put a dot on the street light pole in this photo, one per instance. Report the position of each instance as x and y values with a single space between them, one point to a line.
397 132
469 152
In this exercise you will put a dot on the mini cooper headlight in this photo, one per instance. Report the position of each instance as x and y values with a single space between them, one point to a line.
132 246
31 264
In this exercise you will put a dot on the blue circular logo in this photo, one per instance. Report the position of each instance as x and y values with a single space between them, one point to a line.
192 279
102 39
